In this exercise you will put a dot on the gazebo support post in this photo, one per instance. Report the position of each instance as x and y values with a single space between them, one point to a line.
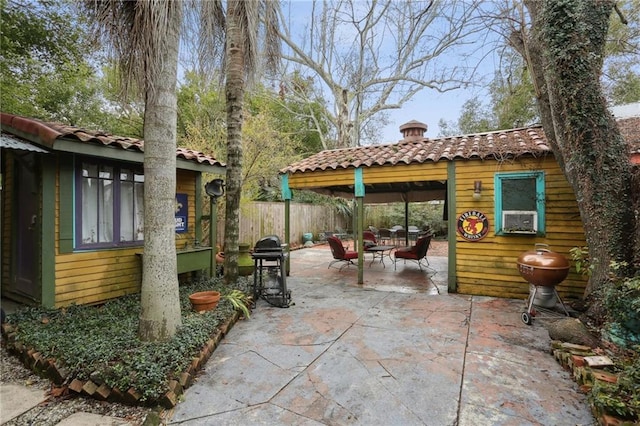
406 221
287 233
360 240
286 196
450 205
213 235
358 192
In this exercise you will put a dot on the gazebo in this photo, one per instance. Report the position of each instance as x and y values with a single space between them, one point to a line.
503 192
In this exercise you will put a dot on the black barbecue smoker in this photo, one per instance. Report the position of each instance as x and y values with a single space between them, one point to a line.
269 277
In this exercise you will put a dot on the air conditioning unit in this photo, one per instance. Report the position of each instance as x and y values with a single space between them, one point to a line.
519 222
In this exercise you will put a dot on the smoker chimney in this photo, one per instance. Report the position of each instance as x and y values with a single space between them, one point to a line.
413 130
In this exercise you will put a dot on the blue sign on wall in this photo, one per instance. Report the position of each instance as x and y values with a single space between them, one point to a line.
182 212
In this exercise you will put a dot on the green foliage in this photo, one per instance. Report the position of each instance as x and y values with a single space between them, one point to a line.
512 94
623 397
420 215
123 113
240 301
580 256
275 132
301 121
101 342
512 103
621 300
621 77
45 71
475 117
202 116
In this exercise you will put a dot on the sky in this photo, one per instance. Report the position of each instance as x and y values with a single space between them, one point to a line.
427 106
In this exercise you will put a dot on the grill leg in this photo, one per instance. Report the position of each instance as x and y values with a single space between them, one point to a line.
561 302
532 297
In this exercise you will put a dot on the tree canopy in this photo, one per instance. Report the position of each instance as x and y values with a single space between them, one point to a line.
368 58
510 100
46 72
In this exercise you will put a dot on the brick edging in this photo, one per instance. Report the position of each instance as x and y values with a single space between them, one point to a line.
575 359
60 376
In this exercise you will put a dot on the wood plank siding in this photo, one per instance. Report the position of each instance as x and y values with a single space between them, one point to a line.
7 219
321 179
94 276
406 173
488 267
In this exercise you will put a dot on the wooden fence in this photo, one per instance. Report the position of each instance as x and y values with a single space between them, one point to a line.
258 219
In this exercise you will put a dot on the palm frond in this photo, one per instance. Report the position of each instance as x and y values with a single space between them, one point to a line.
133 31
272 43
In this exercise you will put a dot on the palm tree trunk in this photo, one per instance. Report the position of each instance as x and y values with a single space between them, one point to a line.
160 300
235 85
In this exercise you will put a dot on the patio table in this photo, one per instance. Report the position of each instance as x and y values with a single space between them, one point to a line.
378 252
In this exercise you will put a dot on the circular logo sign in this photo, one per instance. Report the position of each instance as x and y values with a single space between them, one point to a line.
473 225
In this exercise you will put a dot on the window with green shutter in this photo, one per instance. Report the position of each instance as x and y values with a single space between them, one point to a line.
519 203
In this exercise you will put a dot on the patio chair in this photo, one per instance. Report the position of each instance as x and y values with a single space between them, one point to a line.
340 253
416 253
413 232
401 237
327 234
384 235
369 236
368 240
342 233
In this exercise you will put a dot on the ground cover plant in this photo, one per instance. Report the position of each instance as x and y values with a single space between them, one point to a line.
622 327
100 342
618 322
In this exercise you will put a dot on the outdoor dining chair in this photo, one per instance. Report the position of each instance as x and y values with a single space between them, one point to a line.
340 253
370 237
416 253
374 230
400 237
384 235
413 232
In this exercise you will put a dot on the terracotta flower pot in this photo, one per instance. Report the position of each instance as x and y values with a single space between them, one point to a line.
204 300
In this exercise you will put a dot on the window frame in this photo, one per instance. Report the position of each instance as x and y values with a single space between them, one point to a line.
117 167
539 177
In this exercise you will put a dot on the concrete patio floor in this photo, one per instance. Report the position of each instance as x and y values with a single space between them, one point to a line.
397 350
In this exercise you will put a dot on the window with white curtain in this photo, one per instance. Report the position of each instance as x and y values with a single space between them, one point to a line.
109 205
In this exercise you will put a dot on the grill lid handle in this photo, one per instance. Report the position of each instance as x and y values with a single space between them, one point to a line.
542 247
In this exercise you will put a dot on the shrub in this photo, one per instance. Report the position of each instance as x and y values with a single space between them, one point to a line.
100 342
621 300
420 215
621 398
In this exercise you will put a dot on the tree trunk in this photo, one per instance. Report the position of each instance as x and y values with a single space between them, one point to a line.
565 57
343 121
160 300
235 84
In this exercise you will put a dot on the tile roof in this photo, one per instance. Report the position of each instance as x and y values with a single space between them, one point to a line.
630 129
500 144
48 133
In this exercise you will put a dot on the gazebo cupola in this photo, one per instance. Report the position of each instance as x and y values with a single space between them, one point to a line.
413 130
